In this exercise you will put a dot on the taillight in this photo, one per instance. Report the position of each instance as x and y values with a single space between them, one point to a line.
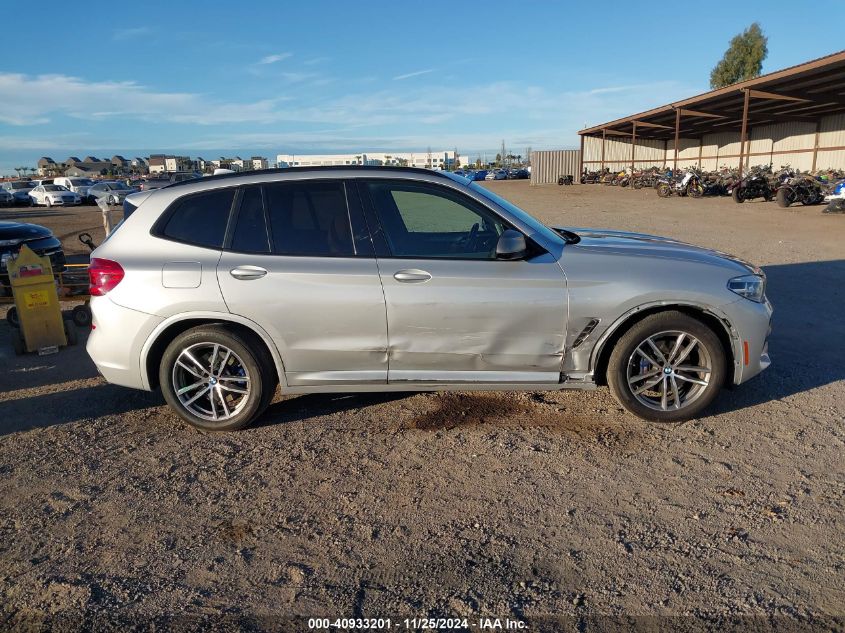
104 275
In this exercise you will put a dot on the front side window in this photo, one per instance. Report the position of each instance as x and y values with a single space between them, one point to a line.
426 221
309 218
200 219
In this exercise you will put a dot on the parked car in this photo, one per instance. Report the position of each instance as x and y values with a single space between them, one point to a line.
480 174
113 191
40 239
6 198
20 191
77 185
168 179
218 289
498 174
54 195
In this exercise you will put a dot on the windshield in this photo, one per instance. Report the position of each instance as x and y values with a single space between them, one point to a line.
118 185
54 188
81 182
530 220
21 185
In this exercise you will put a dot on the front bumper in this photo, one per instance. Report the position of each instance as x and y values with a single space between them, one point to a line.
751 326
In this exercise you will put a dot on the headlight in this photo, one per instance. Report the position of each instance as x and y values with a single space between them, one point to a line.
751 287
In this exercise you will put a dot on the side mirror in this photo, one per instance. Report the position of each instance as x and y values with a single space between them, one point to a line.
511 245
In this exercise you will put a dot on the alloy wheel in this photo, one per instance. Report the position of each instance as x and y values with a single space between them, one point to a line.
211 381
668 371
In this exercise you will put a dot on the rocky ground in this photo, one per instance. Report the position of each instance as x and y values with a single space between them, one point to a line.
556 509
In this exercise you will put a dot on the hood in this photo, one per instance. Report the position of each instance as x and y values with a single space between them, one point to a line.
644 245
23 232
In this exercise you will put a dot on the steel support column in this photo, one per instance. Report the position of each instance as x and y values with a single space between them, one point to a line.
744 133
633 146
677 138
603 137
580 161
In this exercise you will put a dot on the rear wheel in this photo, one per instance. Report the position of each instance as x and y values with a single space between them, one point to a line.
216 379
784 197
664 190
667 368
738 195
695 190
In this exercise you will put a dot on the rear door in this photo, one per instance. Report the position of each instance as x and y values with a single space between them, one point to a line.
455 312
299 262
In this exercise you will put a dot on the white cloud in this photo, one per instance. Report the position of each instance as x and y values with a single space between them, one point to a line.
128 34
272 59
416 73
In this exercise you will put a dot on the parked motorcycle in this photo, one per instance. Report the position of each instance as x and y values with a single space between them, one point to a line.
754 185
804 189
688 185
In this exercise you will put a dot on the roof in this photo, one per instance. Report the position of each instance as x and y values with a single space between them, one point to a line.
328 169
804 92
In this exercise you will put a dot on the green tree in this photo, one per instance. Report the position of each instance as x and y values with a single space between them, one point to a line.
743 59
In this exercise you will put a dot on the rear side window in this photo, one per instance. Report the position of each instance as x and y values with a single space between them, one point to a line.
309 218
200 219
250 234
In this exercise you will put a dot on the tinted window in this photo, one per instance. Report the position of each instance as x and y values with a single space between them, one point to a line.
309 218
250 234
200 219
429 221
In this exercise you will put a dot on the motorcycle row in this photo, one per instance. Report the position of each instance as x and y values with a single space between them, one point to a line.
787 186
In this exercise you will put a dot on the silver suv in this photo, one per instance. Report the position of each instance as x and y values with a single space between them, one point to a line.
398 279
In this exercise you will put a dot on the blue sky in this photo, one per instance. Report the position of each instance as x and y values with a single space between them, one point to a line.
269 77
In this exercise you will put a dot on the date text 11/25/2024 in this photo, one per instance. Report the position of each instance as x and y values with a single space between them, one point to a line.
416 624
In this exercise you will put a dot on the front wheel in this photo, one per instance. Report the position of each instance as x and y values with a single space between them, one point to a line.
47 203
216 379
695 190
664 190
784 197
667 368
738 195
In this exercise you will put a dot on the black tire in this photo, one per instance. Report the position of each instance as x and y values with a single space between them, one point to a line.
669 321
638 184
583 180
12 317
561 181
71 334
695 190
82 315
664 190
784 197
18 344
256 361
47 203
737 195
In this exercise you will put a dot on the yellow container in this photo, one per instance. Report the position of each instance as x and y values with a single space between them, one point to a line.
37 302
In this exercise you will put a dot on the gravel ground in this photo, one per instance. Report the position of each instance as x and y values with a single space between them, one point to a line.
556 509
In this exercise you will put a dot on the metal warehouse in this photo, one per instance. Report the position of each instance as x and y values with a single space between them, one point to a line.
794 116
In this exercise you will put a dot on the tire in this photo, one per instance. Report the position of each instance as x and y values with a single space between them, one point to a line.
248 359
664 190
638 184
560 181
784 197
71 334
627 366
113 201
12 317
583 180
47 203
695 190
82 315
737 195
18 344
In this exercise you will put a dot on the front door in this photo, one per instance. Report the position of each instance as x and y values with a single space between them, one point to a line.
455 312
293 264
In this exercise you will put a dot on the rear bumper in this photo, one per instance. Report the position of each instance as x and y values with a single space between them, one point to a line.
116 339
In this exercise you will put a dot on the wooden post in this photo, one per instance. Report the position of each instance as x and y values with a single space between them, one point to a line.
677 137
665 151
633 146
603 137
816 145
700 147
580 161
743 134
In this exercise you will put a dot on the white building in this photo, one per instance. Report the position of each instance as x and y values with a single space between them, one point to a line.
426 159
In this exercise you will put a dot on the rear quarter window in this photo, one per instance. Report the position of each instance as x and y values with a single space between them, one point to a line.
198 219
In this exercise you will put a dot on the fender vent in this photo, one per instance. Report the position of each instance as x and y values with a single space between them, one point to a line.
591 325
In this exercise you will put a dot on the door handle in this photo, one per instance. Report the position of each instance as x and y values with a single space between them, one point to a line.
248 272
412 275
